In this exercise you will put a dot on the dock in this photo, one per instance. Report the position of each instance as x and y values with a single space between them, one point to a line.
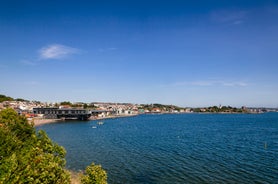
64 113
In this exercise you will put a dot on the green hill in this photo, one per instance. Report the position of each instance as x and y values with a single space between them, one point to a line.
5 98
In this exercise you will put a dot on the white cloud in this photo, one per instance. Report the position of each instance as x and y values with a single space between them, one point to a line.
57 51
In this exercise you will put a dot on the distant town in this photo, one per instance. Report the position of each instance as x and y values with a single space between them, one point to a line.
100 110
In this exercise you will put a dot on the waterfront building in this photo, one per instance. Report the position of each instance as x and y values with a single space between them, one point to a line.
66 113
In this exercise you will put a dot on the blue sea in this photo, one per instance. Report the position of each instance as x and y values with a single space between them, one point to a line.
175 148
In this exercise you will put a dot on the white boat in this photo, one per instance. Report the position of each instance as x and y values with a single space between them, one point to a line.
100 123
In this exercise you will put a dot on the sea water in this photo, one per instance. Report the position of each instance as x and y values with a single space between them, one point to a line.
175 148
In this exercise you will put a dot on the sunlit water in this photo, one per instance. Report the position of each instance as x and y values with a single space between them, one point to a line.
175 148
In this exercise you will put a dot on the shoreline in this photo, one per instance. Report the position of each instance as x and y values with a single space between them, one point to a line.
41 121
112 117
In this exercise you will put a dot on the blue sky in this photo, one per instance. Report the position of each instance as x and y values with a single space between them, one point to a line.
186 53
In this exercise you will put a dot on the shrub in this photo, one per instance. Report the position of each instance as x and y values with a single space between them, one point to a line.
27 156
94 174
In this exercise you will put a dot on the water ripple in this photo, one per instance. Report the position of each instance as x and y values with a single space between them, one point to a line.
188 148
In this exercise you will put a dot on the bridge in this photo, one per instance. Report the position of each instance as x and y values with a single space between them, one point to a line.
56 113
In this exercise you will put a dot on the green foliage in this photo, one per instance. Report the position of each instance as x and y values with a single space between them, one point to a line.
27 156
223 109
94 174
89 106
76 105
5 98
66 103
196 110
213 109
21 100
30 157
162 107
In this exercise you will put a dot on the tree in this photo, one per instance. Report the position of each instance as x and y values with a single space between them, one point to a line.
94 174
196 110
66 103
21 100
27 156
30 157
5 98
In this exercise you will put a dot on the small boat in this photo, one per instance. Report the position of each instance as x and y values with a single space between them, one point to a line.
94 127
100 123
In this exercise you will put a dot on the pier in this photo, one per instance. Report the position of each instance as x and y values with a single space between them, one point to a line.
65 113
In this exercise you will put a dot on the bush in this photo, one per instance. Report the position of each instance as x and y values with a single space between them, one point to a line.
94 174
27 156
30 157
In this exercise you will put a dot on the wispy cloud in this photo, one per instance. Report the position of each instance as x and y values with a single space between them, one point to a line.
107 49
229 17
234 84
29 62
31 83
212 83
57 51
